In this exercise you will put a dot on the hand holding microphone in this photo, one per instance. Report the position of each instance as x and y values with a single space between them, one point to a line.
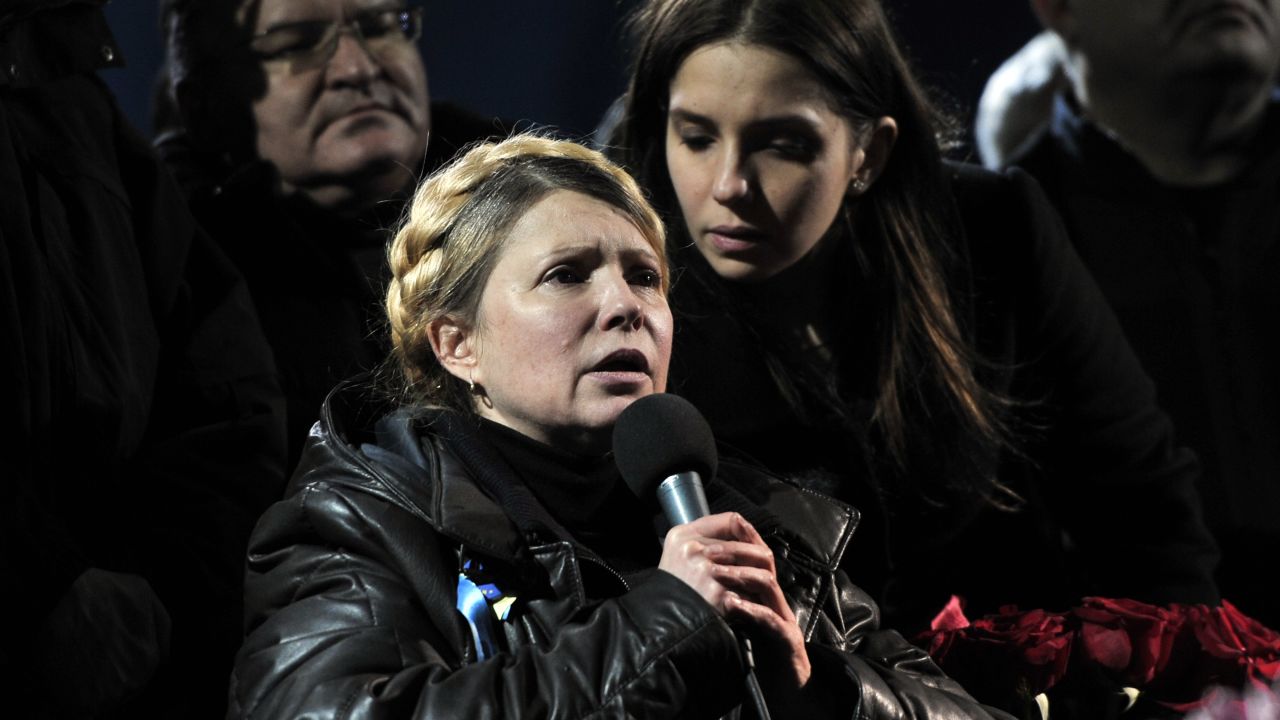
663 447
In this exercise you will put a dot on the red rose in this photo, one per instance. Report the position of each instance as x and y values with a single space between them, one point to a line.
952 616
1040 640
1131 639
943 630
1218 647
1003 659
1243 647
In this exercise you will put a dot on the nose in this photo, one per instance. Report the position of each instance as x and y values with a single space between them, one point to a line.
620 307
732 181
352 63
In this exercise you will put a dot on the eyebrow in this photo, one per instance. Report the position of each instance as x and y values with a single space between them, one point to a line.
778 122
596 249
688 116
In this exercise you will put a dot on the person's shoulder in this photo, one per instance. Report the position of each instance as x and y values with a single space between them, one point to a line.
1042 156
982 194
1008 223
362 442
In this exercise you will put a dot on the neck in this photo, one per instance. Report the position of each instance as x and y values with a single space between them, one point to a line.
353 196
804 295
1195 132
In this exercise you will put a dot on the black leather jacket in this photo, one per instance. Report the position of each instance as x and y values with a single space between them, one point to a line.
353 579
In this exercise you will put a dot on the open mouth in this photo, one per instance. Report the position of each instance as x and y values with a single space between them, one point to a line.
623 361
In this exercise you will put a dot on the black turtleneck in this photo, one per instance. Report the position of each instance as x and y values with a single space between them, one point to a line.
586 495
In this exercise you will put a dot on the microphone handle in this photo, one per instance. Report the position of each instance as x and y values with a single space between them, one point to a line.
682 498
682 501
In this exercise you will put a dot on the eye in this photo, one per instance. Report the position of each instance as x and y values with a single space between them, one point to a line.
289 40
793 148
696 142
563 275
646 277
378 23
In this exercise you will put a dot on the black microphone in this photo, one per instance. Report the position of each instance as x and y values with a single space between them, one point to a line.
663 446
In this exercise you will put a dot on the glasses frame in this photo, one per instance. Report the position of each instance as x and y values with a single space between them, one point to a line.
323 51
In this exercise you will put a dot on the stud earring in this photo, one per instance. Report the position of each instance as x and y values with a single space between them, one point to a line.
859 185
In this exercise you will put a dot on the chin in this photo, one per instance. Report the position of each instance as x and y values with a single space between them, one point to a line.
606 414
735 270
377 143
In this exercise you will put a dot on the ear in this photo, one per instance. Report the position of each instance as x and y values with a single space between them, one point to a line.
1056 15
455 347
874 154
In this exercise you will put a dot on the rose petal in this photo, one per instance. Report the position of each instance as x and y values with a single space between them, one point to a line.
951 617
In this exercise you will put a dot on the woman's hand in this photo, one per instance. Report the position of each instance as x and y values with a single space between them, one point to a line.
725 560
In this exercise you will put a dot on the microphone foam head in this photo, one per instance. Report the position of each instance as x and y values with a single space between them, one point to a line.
658 436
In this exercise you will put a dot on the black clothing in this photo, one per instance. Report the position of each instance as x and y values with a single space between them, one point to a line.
585 495
143 424
353 581
317 279
1110 507
1192 275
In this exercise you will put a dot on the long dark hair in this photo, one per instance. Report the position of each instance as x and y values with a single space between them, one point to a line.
934 422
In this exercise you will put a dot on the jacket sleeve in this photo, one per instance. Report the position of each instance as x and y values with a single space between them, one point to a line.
350 611
1113 476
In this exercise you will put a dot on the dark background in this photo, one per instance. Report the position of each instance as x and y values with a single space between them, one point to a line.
560 62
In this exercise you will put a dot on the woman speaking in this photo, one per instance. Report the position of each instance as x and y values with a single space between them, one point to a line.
466 549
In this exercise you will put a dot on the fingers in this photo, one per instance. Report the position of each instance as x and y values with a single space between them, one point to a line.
726 538
695 552
762 617
726 561
755 585
782 640
724 526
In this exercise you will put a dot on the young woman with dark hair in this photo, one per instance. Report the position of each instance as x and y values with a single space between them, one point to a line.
910 335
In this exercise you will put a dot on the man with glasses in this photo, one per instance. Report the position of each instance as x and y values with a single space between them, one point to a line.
299 128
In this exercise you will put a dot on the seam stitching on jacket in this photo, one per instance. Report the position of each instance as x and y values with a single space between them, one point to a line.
644 669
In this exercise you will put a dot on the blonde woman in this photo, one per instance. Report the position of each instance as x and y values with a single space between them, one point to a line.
468 550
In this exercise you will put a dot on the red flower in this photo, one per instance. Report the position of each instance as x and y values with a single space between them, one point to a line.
1175 655
1131 639
1038 639
1003 659
1235 647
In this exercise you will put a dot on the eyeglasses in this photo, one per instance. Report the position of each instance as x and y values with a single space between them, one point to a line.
311 43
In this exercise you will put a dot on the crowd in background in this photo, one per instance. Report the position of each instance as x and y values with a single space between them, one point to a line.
1029 384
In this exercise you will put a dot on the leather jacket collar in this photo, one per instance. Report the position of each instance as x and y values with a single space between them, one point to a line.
395 454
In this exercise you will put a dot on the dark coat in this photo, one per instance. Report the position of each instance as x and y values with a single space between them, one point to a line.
318 279
1110 506
1192 276
353 579
143 423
